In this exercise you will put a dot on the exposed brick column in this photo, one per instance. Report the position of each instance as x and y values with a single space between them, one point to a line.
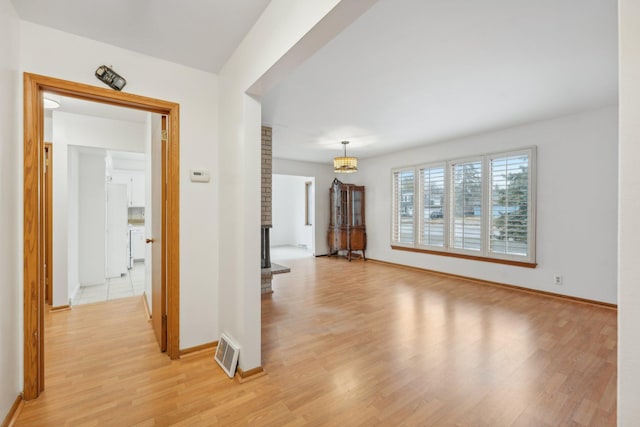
266 176
267 222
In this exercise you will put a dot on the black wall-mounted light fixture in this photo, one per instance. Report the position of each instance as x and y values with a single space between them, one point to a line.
109 77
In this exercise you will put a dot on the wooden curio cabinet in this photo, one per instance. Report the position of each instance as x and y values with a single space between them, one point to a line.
347 231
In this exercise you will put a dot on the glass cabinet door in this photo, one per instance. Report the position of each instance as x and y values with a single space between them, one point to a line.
357 200
333 218
343 208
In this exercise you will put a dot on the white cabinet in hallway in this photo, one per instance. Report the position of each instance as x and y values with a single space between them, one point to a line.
134 180
137 190
137 243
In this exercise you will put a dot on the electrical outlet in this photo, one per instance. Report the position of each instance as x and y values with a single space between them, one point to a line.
557 279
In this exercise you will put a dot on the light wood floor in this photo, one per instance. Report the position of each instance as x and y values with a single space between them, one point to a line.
346 344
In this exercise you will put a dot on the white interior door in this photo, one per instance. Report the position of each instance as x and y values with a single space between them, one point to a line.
116 230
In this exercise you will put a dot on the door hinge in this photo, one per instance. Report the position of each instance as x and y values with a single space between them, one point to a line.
165 135
164 321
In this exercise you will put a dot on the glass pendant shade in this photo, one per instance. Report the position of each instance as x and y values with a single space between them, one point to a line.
345 164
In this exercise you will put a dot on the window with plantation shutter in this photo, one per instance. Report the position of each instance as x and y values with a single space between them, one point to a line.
510 205
466 202
433 211
403 207
480 208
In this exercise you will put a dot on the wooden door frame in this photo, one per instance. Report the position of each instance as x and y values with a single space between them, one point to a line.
47 223
34 86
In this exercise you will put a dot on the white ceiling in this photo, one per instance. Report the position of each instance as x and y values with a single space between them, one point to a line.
406 73
414 72
198 33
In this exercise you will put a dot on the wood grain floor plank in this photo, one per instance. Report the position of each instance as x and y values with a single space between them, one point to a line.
346 344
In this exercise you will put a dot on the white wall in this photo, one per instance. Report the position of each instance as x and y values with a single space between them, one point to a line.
629 208
91 216
10 213
288 210
57 54
48 125
285 34
282 211
129 164
91 131
323 176
73 222
576 204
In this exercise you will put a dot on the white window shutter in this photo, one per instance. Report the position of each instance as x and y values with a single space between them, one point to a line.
433 206
466 205
403 206
510 201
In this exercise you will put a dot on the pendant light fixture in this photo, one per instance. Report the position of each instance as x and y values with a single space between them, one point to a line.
345 164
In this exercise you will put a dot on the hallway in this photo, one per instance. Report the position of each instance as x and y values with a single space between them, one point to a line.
131 284
103 367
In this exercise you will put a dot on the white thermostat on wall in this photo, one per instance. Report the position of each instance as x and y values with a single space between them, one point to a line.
200 175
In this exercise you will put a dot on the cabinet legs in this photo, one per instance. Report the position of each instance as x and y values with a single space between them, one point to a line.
348 255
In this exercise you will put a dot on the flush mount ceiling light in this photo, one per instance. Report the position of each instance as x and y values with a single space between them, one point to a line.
345 164
50 104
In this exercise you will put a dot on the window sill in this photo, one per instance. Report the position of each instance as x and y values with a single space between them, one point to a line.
470 257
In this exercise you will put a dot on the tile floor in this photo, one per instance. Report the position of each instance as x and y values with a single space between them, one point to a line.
119 287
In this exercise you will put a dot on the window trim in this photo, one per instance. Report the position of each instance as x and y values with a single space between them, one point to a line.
485 253
466 256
